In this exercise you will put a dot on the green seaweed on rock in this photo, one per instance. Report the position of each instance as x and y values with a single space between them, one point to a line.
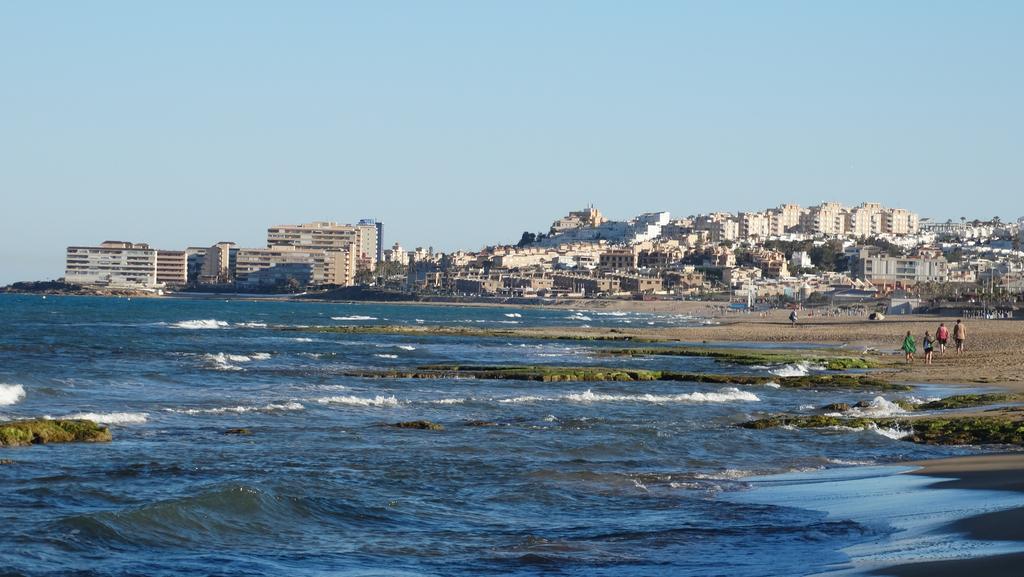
41 431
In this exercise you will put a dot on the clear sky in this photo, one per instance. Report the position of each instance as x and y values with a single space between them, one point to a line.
461 124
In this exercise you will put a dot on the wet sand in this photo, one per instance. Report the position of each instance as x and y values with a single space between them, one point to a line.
991 472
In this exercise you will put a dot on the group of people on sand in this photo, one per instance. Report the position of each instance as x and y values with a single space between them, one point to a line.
930 344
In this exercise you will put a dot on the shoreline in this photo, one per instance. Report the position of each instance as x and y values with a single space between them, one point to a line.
994 359
993 472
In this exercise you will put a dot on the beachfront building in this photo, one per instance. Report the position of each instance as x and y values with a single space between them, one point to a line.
273 266
113 264
172 267
218 264
361 239
883 270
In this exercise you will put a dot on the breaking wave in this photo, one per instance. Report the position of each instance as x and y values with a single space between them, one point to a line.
223 361
794 370
721 396
378 401
878 407
271 408
111 418
11 394
200 324
354 318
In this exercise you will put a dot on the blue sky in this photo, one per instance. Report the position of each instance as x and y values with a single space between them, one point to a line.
461 124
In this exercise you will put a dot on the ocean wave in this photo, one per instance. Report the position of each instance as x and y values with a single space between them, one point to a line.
251 325
11 394
721 396
200 324
612 314
302 339
354 318
773 385
514 315
223 361
453 401
377 401
852 462
795 370
579 317
406 347
893 433
878 407
111 418
271 408
386 356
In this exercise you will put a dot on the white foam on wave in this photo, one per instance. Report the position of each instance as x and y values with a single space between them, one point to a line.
724 395
579 317
200 324
354 318
613 314
795 370
893 433
252 325
878 407
11 394
514 315
453 401
406 347
223 361
773 385
111 418
386 356
302 339
377 401
272 407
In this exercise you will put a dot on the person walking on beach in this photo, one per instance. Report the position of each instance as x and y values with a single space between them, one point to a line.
942 336
909 347
792 318
959 336
928 344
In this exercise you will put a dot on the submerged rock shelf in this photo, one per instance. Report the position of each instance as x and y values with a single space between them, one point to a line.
927 430
583 374
41 431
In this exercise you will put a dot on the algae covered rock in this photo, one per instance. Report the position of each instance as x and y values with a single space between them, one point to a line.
424 425
238 431
926 430
41 431
836 407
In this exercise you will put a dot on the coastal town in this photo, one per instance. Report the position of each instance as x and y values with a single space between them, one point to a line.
828 253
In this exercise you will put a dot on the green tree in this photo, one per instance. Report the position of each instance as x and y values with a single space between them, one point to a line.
527 239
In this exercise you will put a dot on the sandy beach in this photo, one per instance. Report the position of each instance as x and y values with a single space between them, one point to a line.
994 358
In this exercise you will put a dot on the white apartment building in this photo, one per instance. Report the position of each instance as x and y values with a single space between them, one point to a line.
320 267
172 267
113 264
892 270
359 239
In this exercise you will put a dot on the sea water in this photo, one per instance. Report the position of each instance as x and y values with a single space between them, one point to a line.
637 478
